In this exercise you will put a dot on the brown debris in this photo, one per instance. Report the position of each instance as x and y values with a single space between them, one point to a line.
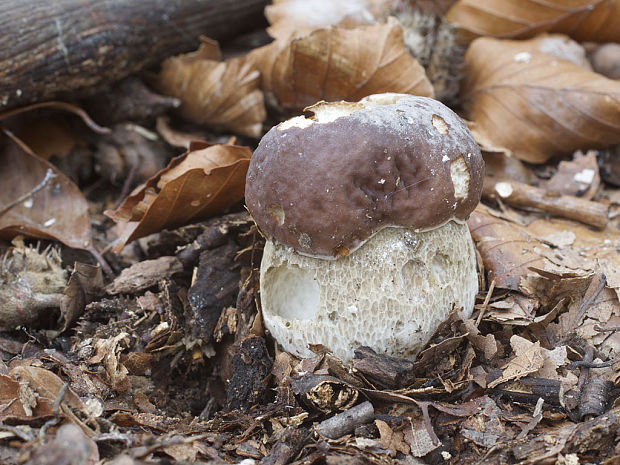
144 274
287 446
325 393
388 371
521 195
129 100
214 287
70 446
251 367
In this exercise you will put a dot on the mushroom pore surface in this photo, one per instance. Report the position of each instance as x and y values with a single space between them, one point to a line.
390 294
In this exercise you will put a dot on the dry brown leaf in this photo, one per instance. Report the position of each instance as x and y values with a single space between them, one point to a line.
535 104
58 211
144 274
108 354
203 182
46 384
223 95
288 17
522 258
339 64
13 403
584 20
85 282
579 177
507 251
529 358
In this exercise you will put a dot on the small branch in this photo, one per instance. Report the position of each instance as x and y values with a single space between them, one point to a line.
517 194
487 299
586 364
345 422
588 356
610 329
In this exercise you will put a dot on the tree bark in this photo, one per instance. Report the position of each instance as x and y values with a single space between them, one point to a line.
60 48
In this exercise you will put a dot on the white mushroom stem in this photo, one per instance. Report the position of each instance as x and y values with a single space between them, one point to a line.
390 294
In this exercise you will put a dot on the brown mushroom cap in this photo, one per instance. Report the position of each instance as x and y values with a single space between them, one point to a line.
324 185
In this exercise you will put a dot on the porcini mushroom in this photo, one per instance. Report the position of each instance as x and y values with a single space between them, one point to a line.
363 208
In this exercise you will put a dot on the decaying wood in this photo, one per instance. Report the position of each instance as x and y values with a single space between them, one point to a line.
345 422
518 194
594 397
288 446
325 393
250 368
389 371
592 437
215 287
48 49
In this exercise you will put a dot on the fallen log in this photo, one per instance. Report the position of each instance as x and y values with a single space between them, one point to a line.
70 48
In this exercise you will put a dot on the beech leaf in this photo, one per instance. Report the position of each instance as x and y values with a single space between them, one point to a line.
203 182
339 64
57 211
536 104
583 20
222 95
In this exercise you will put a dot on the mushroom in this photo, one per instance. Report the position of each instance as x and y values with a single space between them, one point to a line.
363 206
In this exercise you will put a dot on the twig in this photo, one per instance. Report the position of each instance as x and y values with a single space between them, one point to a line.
57 105
55 410
427 422
585 364
608 329
345 422
517 194
588 356
25 436
592 292
107 270
485 303
49 175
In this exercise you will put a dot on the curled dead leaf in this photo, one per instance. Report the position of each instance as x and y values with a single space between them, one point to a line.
338 64
223 95
203 182
584 20
535 104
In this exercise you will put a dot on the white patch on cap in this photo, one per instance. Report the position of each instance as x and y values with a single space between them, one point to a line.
460 178
326 113
277 212
440 124
585 176
388 98
323 113
296 122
